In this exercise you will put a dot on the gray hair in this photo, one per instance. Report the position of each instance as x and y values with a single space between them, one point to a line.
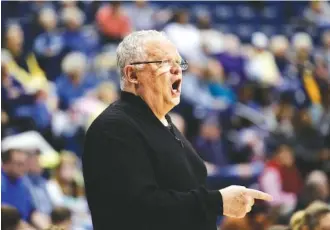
131 49
74 61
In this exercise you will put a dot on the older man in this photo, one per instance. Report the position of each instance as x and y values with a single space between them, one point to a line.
140 172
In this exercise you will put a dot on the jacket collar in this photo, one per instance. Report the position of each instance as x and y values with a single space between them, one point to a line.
138 102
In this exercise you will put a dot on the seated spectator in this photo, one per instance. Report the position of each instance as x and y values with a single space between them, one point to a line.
87 108
13 190
197 82
315 217
309 143
36 184
212 40
318 215
304 63
180 28
318 13
269 74
297 221
61 218
66 189
209 144
233 62
215 74
320 180
279 46
282 179
19 102
142 15
322 59
76 37
105 66
75 81
49 46
213 149
284 118
113 23
23 66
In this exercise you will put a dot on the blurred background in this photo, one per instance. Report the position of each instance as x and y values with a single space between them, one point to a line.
255 101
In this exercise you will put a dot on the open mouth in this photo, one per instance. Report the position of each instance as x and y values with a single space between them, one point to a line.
176 85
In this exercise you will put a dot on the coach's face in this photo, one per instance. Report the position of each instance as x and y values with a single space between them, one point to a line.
161 82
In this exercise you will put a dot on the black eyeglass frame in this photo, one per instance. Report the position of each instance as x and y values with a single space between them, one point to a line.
183 64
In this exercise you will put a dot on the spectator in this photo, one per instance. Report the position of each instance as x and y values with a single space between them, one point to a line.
200 83
76 81
304 65
318 13
113 23
36 184
308 142
233 62
142 15
210 144
18 102
323 58
316 216
66 189
23 66
320 180
87 108
267 75
179 28
61 218
279 46
13 190
105 67
49 46
284 118
212 40
78 38
297 221
282 179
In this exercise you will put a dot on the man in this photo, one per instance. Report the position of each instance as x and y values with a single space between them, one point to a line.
13 190
140 172
36 184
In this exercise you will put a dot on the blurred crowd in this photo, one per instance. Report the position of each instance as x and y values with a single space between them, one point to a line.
255 104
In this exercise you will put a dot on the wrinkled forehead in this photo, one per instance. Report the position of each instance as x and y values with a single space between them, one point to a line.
161 50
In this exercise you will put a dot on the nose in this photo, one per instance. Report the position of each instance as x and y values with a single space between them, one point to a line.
176 69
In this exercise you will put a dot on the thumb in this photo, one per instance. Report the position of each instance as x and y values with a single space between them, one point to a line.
258 194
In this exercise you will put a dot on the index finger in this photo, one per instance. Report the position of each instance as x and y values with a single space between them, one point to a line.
258 194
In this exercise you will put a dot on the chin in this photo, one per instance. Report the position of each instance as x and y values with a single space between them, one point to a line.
175 101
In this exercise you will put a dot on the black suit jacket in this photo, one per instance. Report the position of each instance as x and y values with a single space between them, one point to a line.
141 175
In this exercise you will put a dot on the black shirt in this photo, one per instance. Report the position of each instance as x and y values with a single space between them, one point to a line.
141 175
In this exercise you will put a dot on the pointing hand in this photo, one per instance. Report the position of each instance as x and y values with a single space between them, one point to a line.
238 200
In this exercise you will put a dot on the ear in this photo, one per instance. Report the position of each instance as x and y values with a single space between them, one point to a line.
130 74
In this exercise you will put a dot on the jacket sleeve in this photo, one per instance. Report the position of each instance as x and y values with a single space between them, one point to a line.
125 173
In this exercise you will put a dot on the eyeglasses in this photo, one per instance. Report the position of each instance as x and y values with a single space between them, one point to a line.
183 63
